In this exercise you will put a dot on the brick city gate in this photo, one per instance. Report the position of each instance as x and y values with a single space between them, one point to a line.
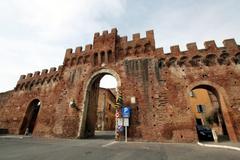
160 83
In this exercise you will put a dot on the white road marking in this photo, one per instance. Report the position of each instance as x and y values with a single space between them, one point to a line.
219 146
12 137
109 144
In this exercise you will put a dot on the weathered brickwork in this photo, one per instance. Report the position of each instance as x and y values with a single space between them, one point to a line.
159 81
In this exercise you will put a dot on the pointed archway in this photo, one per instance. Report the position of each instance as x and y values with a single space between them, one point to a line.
30 117
90 104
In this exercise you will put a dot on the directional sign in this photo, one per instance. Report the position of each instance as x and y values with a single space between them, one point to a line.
126 112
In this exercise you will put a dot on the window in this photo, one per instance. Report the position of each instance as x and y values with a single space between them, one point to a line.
200 108
198 121
102 54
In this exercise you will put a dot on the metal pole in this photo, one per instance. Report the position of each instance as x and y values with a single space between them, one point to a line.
126 134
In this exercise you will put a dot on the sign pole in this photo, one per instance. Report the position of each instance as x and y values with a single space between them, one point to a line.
126 115
126 134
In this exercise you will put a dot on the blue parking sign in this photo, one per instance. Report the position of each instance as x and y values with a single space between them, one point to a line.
126 112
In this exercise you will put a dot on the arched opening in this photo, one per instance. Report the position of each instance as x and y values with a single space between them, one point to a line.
95 59
98 119
80 60
161 63
208 112
102 55
210 60
182 61
237 58
224 59
110 57
196 61
171 61
30 117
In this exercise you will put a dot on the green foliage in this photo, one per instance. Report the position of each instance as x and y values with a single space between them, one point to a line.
212 118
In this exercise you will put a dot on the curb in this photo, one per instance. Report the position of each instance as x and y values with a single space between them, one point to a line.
10 137
14 137
219 146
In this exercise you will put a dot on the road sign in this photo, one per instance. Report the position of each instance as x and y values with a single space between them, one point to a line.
117 114
126 122
120 121
126 112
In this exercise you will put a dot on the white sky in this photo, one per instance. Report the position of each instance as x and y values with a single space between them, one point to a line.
35 33
108 81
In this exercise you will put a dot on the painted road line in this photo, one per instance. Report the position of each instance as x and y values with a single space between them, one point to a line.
219 146
109 144
12 137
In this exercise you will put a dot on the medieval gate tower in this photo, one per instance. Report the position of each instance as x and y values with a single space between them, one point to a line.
160 82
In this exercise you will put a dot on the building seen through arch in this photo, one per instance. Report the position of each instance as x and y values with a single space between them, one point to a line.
106 110
208 114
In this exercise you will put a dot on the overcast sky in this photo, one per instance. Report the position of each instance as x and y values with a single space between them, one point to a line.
35 33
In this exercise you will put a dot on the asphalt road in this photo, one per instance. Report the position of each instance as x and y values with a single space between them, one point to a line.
104 149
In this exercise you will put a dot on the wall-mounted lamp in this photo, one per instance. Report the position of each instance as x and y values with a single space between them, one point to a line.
72 104
191 94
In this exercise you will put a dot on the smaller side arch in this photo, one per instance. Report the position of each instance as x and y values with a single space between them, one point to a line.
30 117
223 102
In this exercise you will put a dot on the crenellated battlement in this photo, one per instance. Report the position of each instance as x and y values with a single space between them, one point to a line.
192 48
210 55
105 33
79 51
229 45
38 78
104 42
137 40
109 47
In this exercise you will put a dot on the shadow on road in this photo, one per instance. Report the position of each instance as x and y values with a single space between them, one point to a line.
104 135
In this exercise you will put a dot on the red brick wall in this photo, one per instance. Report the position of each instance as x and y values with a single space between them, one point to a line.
160 82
